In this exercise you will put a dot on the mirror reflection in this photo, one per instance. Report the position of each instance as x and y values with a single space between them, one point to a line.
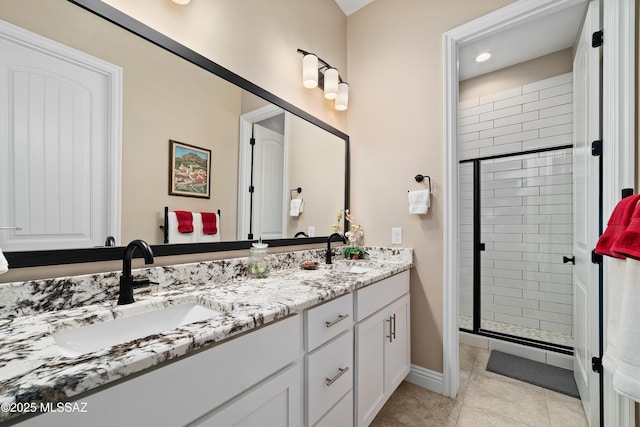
167 98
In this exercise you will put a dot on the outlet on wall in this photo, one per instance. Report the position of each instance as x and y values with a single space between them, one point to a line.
311 231
396 236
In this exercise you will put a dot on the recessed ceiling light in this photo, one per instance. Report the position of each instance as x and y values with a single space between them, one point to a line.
483 57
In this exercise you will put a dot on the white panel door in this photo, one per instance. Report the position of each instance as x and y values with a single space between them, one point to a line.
586 299
56 157
269 193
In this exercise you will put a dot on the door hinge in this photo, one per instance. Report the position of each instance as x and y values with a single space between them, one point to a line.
596 148
596 364
252 141
483 247
596 258
596 39
251 188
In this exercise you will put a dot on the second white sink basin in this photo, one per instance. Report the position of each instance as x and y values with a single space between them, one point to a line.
358 269
85 339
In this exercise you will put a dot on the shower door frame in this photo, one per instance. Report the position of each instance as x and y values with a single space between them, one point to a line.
477 259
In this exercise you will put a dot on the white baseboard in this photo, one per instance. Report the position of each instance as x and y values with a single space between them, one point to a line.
426 378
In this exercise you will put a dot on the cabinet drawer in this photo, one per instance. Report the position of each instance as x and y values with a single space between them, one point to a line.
329 375
339 415
328 320
374 297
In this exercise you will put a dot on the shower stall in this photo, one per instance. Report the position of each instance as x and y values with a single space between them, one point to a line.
516 215
516 243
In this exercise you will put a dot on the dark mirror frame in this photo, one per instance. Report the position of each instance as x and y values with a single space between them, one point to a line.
21 259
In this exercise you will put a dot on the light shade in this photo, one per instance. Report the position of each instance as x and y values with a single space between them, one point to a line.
342 101
181 2
483 57
331 83
310 71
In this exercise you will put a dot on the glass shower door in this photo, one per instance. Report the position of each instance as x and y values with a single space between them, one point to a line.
526 207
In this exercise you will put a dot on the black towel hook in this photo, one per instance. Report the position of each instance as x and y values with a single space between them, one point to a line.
420 178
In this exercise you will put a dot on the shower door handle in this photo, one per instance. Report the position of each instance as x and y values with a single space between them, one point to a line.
566 259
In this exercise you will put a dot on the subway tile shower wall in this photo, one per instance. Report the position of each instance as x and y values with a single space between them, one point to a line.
526 205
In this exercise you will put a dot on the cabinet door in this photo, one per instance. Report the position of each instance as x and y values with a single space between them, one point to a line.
370 377
276 403
340 415
398 347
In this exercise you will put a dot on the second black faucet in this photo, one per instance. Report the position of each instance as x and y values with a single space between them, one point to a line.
329 254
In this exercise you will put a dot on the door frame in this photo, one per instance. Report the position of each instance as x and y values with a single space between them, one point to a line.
618 125
244 159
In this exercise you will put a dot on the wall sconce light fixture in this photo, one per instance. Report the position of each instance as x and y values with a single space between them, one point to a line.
181 2
316 72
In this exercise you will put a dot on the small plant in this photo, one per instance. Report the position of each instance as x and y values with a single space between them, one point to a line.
354 235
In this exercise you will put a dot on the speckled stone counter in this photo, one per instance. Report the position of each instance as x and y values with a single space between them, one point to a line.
33 369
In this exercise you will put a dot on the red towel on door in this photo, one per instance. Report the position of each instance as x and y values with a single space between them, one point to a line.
209 225
620 219
628 243
185 221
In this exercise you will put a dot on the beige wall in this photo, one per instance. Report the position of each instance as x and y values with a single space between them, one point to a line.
537 69
395 126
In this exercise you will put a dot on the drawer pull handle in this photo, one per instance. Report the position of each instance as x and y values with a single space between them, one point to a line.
340 318
392 327
340 373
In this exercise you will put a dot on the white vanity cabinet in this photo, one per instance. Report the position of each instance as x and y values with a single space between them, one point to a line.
329 363
382 344
251 380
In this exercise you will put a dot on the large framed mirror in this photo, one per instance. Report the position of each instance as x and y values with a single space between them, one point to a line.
173 93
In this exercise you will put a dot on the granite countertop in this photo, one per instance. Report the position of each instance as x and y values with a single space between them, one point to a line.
33 369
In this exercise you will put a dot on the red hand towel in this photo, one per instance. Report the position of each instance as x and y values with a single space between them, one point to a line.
620 219
209 223
628 243
185 221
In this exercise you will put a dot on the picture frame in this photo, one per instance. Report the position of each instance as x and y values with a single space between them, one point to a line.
189 170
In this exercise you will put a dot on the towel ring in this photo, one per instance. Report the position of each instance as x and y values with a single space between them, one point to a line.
298 190
420 178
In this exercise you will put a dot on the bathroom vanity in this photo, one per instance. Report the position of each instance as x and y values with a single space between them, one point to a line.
323 347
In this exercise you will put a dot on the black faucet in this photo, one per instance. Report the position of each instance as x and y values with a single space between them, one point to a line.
127 283
329 254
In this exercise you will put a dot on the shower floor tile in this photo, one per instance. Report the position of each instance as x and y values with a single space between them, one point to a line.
518 331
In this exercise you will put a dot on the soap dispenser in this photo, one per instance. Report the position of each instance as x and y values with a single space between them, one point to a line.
259 265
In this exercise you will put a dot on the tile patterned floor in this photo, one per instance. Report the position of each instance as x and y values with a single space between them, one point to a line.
518 331
484 399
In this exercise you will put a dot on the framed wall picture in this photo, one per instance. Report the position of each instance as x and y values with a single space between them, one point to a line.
189 170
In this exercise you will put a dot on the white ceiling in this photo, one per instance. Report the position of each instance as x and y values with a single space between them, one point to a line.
515 44
350 6
521 43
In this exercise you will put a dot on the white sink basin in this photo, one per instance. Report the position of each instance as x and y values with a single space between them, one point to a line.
358 269
85 339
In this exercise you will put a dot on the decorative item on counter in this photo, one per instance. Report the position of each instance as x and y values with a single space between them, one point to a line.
310 265
354 235
259 265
